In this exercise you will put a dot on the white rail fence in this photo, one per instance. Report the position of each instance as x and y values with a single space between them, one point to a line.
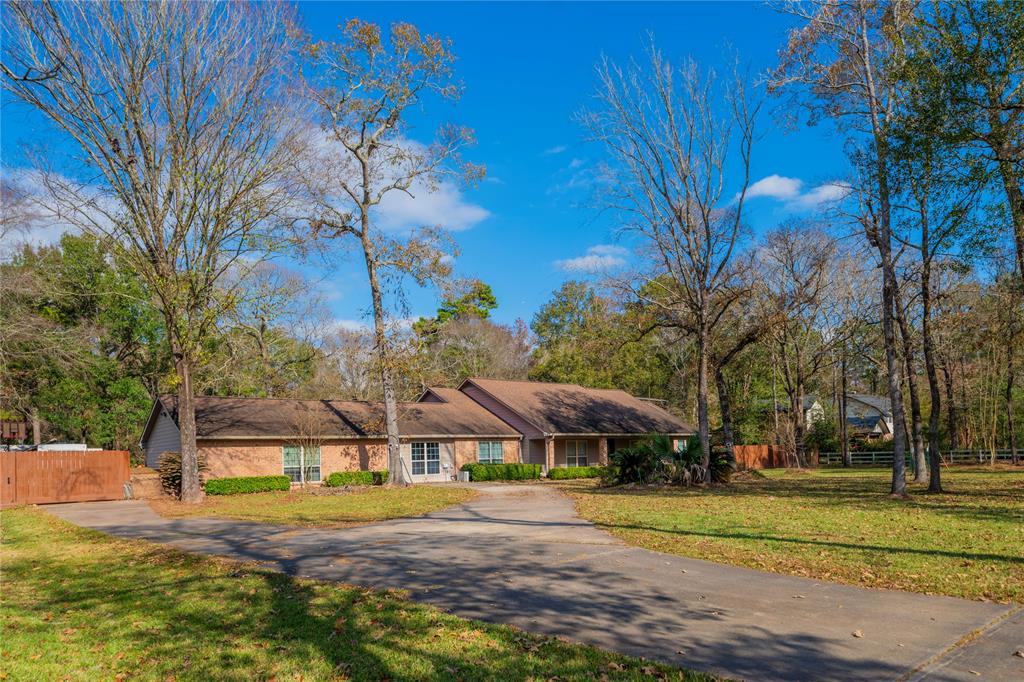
828 459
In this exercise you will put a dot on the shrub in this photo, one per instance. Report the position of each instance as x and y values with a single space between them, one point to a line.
170 472
342 478
502 472
654 460
247 484
562 473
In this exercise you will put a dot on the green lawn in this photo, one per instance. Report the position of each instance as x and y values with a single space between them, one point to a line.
837 525
298 508
79 605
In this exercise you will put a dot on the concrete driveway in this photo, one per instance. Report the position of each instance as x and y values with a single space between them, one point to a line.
519 555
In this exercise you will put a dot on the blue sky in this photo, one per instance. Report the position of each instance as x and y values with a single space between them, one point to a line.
527 68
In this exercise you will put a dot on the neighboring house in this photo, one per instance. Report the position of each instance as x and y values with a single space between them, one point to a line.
813 410
869 416
484 420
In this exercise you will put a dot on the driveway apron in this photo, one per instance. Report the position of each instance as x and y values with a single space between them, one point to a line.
518 554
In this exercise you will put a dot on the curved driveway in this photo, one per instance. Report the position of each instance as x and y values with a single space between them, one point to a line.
519 554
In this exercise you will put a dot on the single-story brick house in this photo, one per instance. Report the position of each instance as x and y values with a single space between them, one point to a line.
484 420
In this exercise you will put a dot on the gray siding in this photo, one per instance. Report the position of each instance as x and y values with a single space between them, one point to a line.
501 412
163 438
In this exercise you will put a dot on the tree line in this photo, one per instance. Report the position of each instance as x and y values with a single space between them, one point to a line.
211 140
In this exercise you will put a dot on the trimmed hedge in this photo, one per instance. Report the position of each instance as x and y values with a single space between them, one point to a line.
248 484
502 472
341 478
561 473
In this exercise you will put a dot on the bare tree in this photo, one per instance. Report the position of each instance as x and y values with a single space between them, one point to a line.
804 276
363 88
277 321
674 139
173 109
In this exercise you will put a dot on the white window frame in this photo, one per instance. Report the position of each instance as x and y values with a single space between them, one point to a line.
427 454
578 447
490 458
307 473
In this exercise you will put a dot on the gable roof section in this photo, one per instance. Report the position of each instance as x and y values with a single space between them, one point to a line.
565 409
876 402
218 417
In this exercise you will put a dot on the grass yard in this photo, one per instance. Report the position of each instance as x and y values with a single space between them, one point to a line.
79 605
298 508
837 525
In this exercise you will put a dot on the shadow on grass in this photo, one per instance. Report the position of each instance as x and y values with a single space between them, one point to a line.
819 543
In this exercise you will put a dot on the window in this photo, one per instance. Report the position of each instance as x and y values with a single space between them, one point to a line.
297 457
489 452
426 458
575 453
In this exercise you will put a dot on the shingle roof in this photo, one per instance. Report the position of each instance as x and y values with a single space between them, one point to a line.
218 417
880 403
572 409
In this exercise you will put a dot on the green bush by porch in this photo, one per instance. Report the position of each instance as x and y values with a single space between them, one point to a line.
563 473
342 478
502 472
247 484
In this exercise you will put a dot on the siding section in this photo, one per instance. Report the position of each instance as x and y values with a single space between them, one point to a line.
164 437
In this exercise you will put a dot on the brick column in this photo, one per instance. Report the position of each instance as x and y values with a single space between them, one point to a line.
549 451
602 451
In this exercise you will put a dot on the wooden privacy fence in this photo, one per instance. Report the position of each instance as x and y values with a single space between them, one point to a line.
759 456
39 477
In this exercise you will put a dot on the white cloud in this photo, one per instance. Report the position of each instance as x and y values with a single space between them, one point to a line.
775 186
557 149
597 259
446 207
826 193
608 250
576 163
791 191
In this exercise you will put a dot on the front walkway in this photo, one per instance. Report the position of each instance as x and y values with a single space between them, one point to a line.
518 554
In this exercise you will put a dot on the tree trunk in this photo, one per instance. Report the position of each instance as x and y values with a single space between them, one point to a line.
728 434
191 486
396 472
37 428
703 426
1010 425
1015 197
934 452
799 422
951 425
844 432
916 436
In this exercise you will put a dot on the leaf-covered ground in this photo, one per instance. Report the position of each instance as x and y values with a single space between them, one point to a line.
79 605
837 525
325 507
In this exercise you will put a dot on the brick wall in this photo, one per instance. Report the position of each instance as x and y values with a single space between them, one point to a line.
265 457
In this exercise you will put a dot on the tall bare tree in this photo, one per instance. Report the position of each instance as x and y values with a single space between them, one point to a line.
675 138
363 88
179 133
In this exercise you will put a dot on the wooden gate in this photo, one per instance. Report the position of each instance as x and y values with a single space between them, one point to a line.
40 477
